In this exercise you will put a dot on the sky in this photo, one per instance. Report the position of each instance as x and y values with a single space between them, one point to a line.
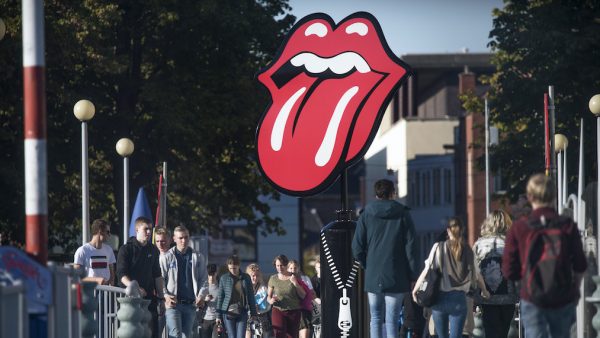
417 26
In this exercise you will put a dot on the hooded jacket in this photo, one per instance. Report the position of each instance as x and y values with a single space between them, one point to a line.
140 263
169 269
385 245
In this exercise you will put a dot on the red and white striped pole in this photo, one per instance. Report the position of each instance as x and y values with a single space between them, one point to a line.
34 104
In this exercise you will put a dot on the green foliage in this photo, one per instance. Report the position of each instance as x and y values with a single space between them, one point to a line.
540 43
175 76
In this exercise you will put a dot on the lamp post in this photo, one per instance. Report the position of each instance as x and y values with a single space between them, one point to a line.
84 111
125 148
594 105
560 147
2 29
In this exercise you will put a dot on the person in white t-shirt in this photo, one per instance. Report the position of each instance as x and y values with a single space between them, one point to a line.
97 257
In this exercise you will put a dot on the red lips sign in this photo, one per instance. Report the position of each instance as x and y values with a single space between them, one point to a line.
330 85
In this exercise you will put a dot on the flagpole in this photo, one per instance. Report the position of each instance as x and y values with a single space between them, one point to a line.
546 135
487 160
164 196
158 202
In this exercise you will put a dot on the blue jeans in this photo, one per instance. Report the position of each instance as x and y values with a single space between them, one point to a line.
236 328
449 313
540 322
180 320
391 303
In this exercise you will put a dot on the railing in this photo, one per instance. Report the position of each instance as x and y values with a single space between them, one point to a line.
14 320
108 323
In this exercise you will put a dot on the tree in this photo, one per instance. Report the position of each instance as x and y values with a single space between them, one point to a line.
539 43
175 76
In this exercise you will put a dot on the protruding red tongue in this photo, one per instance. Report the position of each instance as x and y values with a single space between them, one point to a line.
306 134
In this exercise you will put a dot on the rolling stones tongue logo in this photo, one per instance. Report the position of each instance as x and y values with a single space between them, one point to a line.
329 87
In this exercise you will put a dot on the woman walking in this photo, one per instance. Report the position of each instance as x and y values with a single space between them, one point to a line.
236 298
456 261
285 294
498 310
209 293
263 307
306 303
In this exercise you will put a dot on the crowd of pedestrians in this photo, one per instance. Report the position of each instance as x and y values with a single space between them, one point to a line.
189 296
536 263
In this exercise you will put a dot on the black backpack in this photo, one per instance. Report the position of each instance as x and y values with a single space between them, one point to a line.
548 271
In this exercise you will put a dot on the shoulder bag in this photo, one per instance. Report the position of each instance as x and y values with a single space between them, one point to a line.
427 293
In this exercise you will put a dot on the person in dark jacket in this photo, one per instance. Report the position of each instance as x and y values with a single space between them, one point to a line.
236 298
385 245
137 260
555 318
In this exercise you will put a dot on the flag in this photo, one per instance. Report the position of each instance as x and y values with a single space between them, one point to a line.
161 208
141 208
161 205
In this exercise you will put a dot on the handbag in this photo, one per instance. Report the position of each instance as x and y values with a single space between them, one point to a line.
306 303
234 311
427 293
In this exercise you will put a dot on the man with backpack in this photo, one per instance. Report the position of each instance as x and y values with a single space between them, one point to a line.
543 251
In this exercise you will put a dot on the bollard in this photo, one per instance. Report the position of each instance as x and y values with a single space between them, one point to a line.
339 272
595 299
130 316
89 304
145 317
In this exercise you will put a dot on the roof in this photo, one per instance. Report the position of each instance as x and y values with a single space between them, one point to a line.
448 60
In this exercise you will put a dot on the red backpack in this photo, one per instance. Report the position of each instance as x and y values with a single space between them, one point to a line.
548 270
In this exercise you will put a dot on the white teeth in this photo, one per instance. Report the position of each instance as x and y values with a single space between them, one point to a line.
339 64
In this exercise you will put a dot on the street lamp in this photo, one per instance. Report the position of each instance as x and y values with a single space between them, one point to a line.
125 148
594 105
84 111
560 147
2 29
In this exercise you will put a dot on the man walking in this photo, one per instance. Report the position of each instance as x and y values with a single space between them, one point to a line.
138 260
384 244
184 272
544 252
162 239
96 256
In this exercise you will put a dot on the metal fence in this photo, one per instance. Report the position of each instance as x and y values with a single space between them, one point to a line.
106 316
14 320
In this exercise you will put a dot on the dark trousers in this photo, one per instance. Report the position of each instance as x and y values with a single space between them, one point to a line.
153 307
207 328
285 323
497 319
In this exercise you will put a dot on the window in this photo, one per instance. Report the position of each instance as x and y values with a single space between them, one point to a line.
427 188
448 186
417 191
437 186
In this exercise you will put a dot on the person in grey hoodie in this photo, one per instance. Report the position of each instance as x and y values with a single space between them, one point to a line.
385 245
184 272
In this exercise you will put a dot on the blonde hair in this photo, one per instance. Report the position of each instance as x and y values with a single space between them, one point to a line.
253 267
455 242
541 189
162 231
496 224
